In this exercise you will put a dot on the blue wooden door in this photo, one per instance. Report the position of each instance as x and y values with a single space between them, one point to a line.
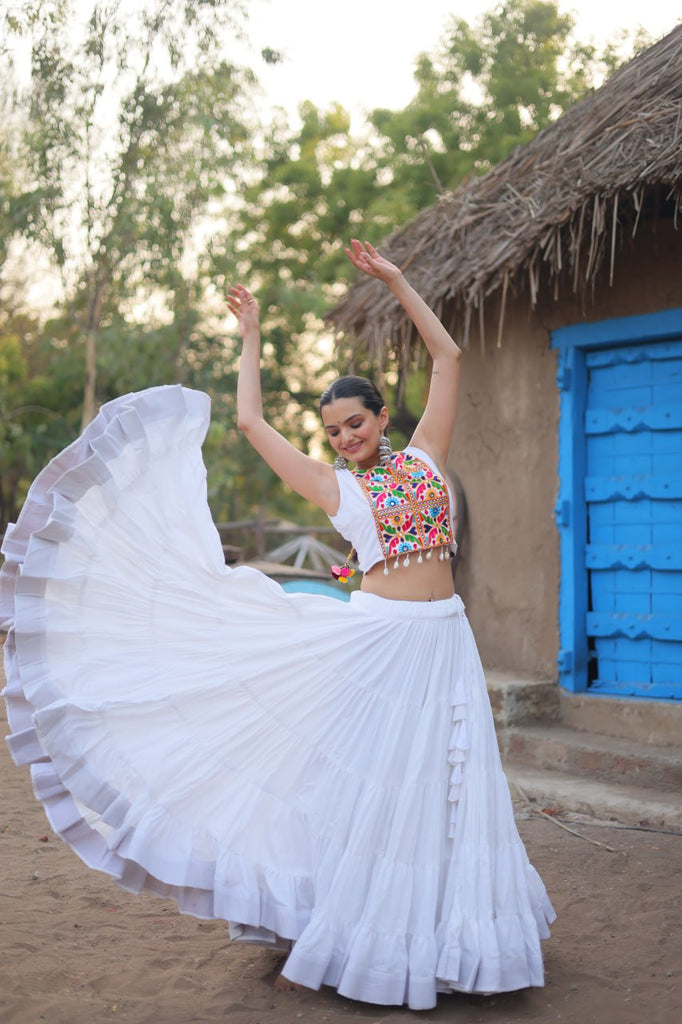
633 493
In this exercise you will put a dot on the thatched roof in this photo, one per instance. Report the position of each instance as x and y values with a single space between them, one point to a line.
548 215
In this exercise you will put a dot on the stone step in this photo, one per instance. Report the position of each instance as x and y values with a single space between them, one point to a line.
515 700
594 756
645 721
559 791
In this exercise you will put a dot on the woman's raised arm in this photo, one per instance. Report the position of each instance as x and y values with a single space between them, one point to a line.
312 479
437 422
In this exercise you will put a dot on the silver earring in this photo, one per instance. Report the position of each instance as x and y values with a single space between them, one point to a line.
385 450
340 462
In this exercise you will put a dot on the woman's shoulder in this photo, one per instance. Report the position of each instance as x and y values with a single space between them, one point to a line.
414 451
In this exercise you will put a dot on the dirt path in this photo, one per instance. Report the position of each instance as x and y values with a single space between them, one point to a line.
78 950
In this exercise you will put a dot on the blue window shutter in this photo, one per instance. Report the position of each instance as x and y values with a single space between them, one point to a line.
620 488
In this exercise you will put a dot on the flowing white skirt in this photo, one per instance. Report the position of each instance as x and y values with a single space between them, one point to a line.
318 771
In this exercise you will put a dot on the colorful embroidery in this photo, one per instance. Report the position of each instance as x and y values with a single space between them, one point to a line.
410 505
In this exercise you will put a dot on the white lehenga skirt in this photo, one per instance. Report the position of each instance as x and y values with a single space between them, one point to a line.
318 771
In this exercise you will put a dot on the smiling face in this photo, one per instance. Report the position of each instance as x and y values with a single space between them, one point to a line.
354 431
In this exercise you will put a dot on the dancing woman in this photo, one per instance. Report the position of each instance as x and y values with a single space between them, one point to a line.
323 775
355 419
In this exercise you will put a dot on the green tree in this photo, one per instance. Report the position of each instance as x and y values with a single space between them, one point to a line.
40 385
487 88
144 182
134 127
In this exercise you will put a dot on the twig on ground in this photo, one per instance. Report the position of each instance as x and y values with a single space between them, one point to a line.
549 817
620 826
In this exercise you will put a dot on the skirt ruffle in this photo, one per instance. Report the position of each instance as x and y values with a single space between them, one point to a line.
323 774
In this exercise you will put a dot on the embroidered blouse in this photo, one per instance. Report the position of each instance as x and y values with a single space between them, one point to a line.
389 511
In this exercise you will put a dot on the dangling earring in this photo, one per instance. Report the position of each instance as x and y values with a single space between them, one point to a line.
385 450
340 462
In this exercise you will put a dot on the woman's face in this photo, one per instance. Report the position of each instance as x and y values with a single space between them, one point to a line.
353 430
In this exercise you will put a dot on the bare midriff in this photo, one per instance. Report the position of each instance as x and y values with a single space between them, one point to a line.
428 580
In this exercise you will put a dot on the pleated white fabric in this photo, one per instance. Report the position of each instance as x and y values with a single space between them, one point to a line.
317 771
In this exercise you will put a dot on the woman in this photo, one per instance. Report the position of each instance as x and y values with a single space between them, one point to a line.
355 420
324 775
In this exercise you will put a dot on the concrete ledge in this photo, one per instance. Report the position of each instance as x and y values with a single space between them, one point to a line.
627 804
595 756
644 721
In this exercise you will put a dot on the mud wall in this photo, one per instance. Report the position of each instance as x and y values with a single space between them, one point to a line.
505 452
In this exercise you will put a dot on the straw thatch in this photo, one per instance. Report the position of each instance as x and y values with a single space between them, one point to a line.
546 217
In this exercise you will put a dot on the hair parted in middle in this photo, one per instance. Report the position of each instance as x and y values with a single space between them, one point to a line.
354 387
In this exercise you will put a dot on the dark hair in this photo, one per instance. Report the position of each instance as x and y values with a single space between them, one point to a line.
354 387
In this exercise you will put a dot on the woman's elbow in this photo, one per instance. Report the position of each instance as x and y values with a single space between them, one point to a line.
248 423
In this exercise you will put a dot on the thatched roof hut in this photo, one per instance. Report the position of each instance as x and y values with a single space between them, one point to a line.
548 217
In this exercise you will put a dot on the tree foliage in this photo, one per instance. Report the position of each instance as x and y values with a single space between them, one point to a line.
39 404
129 157
487 88
129 131
133 128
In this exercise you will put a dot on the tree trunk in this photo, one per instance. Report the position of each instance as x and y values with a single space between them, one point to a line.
90 382
92 330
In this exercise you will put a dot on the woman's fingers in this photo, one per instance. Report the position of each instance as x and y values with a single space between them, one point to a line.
360 257
366 258
240 300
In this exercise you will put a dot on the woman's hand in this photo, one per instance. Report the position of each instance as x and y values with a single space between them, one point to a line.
367 259
245 308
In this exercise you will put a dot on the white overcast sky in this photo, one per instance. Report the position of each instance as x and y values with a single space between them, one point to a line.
362 52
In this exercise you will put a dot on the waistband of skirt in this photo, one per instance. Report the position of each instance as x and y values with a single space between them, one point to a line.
391 609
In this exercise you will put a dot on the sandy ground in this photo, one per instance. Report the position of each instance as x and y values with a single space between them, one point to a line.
75 949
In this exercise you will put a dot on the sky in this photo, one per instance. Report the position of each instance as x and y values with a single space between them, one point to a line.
361 53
